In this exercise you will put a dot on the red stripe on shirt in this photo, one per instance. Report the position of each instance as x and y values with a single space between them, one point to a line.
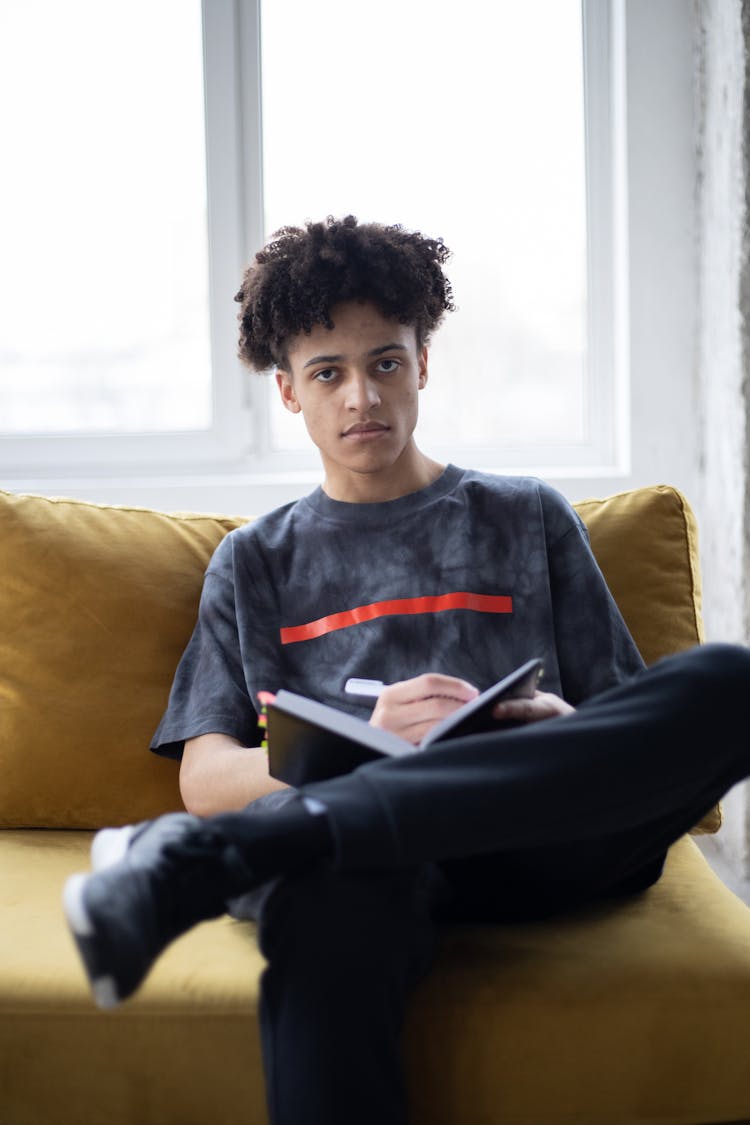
482 603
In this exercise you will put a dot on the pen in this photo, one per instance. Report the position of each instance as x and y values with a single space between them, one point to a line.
369 688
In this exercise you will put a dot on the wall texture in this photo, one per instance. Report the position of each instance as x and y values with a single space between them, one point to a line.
723 345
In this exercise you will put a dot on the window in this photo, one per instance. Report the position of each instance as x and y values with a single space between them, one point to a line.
105 337
105 326
470 122
471 128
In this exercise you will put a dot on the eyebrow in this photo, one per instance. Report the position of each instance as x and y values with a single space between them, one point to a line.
337 358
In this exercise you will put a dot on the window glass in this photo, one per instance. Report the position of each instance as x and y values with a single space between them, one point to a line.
464 122
103 283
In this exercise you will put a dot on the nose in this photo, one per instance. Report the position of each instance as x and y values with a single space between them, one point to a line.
362 393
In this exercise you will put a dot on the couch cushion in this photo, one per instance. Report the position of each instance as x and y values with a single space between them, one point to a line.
97 604
636 1014
625 1015
646 542
161 1059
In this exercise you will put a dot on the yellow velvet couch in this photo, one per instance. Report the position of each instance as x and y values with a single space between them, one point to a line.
628 1013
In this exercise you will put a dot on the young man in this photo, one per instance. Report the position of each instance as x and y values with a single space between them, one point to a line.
437 581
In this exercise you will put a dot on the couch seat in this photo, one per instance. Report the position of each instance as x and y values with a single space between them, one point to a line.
607 1017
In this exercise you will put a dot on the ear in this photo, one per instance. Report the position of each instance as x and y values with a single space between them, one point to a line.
286 390
423 371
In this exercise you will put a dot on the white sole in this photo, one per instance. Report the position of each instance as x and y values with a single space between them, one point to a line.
103 988
75 907
110 845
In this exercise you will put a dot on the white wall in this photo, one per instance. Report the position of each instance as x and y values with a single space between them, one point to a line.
661 177
722 354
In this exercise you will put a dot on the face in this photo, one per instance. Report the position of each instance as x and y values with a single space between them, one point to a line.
356 386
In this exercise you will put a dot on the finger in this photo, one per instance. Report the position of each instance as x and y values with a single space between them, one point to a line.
412 720
543 705
520 710
427 686
419 712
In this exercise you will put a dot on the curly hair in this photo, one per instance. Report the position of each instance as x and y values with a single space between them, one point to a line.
298 277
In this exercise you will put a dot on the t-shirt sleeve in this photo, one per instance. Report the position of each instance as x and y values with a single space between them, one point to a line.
209 693
594 646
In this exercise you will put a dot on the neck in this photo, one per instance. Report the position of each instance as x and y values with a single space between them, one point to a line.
390 484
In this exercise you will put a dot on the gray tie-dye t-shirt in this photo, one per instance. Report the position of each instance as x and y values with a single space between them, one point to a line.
471 576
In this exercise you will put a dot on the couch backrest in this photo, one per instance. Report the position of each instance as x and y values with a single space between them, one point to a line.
97 604
646 542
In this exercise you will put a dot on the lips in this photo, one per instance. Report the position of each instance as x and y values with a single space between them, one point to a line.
362 429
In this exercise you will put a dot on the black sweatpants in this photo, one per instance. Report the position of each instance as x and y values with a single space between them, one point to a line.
518 824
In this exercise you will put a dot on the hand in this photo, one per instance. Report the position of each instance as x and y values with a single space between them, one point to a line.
411 708
543 705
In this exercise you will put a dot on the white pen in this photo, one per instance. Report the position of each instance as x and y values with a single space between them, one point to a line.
369 688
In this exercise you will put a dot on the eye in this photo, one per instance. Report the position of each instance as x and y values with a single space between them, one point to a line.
388 366
327 375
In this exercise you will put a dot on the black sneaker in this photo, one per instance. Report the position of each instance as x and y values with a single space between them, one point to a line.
151 882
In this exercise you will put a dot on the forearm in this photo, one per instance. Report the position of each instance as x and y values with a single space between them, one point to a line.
218 774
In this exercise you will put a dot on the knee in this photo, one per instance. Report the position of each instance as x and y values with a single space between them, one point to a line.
726 666
707 682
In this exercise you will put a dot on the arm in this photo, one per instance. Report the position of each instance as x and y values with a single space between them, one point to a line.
219 774
594 648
